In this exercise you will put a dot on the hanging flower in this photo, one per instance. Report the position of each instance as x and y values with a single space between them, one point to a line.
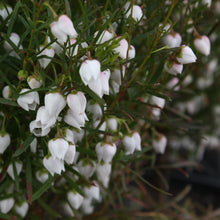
103 172
160 143
22 209
75 199
122 48
173 67
5 141
34 82
53 165
58 148
105 152
135 12
49 52
18 168
172 40
89 70
203 45
6 205
29 100
106 35
186 55
62 28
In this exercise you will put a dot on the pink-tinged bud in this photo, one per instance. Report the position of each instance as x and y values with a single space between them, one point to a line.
203 45
106 35
89 70
18 168
58 148
122 49
62 28
186 55
173 67
49 52
75 199
173 84
207 2
6 205
70 154
159 103
77 102
53 165
105 152
172 40
160 143
86 168
103 172
54 103
5 141
136 12
22 209
34 82
28 101
42 176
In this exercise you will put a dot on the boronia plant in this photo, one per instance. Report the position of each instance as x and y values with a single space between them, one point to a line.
93 92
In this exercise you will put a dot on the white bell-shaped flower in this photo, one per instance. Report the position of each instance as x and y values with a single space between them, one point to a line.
18 168
92 191
86 168
72 48
75 120
7 92
6 205
5 11
44 118
106 35
62 28
38 129
173 67
49 52
122 48
89 70
15 39
34 82
67 209
112 124
5 141
132 142
159 103
95 109
29 100
33 146
87 207
68 135
203 45
70 154
42 176
78 135
131 52
54 103
207 2
186 55
75 199
103 172
58 148
172 40
77 102
22 209
53 165
160 143
105 152
135 12
137 139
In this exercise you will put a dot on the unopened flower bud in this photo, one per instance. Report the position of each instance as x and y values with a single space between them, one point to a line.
5 141
203 45
160 143
75 199
186 55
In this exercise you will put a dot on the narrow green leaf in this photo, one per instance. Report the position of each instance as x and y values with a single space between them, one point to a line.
23 147
8 102
29 179
42 189
68 8
47 208
4 216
